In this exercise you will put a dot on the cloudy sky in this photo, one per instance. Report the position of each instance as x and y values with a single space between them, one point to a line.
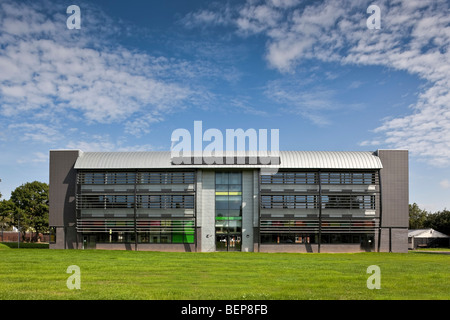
137 70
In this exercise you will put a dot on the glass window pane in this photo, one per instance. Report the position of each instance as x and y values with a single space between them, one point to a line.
221 187
234 226
235 202
221 213
221 226
235 178
234 213
221 202
235 188
221 178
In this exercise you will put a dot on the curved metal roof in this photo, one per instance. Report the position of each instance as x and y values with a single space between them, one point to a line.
330 160
288 159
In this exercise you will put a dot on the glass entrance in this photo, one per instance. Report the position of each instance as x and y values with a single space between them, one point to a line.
228 211
228 242
89 241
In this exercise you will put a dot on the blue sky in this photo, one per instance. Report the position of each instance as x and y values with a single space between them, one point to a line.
138 70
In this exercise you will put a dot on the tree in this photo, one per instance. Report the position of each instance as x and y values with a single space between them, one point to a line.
417 217
31 200
7 211
439 221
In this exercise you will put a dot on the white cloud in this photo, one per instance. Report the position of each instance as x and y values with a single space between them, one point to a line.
52 75
82 80
204 17
34 132
284 3
414 37
141 125
257 18
93 146
310 102
216 15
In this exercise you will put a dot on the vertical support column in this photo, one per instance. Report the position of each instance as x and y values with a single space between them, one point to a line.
390 239
258 197
195 211
381 209
207 203
248 192
320 210
135 211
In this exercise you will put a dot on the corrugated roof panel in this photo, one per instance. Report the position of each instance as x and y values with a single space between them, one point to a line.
288 159
330 160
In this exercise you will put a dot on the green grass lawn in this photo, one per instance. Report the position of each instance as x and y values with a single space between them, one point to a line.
41 274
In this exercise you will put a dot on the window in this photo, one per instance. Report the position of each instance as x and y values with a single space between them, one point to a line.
120 178
115 237
166 177
127 177
364 239
286 238
290 178
91 178
289 202
361 202
165 202
166 231
148 231
349 178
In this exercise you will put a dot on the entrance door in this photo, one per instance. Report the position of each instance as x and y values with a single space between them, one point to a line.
228 242
228 210
221 242
89 242
234 242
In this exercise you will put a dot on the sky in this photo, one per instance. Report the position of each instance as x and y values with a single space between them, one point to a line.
135 71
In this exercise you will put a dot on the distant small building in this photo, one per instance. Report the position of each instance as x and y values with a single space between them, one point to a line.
427 238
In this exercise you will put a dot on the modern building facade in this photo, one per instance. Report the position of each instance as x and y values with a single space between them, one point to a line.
315 202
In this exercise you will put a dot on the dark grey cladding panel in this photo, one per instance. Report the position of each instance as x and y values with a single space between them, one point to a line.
62 182
395 188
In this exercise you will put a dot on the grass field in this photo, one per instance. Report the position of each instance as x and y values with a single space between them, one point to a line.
123 275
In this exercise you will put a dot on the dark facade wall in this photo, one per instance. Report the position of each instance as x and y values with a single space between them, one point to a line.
395 200
313 248
62 206
147 247
394 240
